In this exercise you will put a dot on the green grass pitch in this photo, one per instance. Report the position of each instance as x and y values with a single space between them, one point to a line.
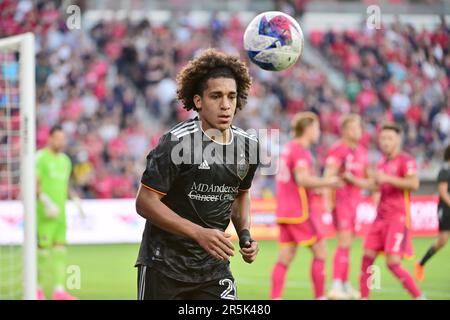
107 272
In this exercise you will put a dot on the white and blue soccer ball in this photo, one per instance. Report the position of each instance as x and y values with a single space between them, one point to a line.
273 41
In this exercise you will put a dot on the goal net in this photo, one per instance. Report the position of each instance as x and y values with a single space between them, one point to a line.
17 177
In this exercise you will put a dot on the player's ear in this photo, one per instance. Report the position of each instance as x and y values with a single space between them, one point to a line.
198 102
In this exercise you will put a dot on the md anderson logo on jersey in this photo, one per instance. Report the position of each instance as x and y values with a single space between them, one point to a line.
212 192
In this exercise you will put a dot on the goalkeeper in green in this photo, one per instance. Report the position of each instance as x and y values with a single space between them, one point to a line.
53 171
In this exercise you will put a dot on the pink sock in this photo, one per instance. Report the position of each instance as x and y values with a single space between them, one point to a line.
278 279
340 264
406 279
318 277
364 276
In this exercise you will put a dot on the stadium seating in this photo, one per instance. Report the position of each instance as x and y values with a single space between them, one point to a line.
98 82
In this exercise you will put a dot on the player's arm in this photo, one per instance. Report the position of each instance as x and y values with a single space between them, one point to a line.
406 180
240 216
442 181
73 195
331 170
410 182
443 192
362 183
376 197
150 207
308 181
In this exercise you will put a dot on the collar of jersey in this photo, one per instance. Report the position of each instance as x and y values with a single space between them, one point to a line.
199 124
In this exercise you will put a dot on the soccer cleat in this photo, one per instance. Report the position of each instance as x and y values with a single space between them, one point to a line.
40 295
337 294
421 297
62 295
352 294
419 272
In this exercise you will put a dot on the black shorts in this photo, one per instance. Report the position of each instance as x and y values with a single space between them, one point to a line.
153 285
444 218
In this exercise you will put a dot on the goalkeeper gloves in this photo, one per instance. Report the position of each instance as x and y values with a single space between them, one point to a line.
77 203
51 209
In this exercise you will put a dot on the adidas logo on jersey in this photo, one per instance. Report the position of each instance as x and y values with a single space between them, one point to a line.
204 165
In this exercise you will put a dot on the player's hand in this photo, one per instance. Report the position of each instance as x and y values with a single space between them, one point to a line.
52 211
77 202
334 182
50 208
373 185
381 177
348 176
216 243
250 252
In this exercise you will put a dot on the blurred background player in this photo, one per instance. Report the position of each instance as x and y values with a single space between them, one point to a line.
348 159
443 215
188 204
396 177
296 181
53 171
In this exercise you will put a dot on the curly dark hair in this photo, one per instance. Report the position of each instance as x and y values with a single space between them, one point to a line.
210 64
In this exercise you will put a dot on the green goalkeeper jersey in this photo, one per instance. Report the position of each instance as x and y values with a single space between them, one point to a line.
53 172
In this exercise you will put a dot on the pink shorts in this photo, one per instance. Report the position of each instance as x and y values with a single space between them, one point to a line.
390 237
304 234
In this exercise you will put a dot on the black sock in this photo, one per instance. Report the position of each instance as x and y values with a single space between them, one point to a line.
431 251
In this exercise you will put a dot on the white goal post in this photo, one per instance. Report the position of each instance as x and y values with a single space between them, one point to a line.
24 45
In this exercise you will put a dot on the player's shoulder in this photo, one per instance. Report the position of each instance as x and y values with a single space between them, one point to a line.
182 129
41 153
298 151
178 133
406 157
362 148
382 160
242 134
66 158
337 147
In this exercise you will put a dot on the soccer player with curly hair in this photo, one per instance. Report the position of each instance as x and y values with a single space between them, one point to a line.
196 180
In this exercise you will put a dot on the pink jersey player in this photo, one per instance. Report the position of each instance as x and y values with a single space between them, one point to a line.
296 182
293 201
390 233
348 160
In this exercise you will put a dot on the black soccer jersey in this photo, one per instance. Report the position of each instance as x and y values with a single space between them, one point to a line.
199 180
444 176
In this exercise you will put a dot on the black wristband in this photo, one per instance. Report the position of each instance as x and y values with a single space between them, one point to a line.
244 237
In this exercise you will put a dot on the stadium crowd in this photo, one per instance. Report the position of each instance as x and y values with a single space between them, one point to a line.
112 87
401 72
